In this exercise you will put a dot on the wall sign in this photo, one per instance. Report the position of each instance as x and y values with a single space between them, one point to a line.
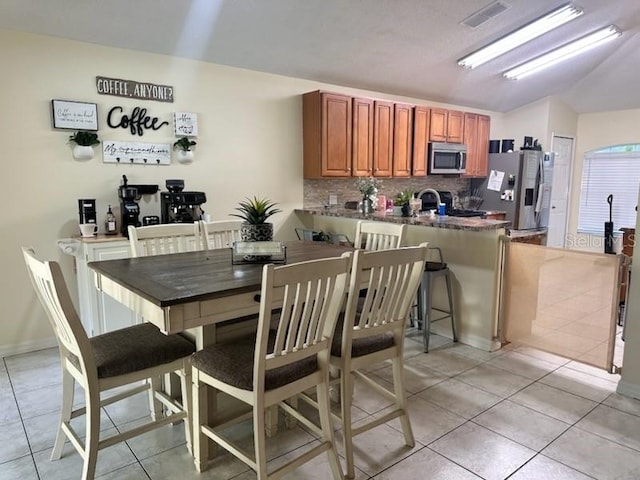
185 123
136 153
133 89
137 122
74 115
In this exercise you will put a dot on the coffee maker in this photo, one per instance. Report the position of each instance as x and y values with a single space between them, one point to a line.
178 206
129 208
86 210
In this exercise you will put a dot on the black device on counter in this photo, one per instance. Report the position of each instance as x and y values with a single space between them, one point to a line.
178 206
129 208
87 210
429 202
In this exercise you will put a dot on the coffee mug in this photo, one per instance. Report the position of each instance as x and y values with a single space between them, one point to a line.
88 229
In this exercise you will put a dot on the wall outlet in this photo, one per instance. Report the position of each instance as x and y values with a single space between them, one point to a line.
333 199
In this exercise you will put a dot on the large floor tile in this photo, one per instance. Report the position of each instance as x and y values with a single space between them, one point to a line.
623 403
485 453
521 424
543 468
417 377
547 357
13 441
129 409
156 441
446 361
130 472
22 468
494 380
426 460
8 407
33 360
460 398
617 426
524 365
368 399
594 455
475 353
556 403
33 403
580 383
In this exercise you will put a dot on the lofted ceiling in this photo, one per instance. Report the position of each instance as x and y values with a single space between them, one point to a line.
403 47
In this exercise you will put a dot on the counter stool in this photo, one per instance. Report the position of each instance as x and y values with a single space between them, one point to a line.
432 271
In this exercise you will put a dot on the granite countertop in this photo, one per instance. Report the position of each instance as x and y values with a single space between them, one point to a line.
457 223
526 233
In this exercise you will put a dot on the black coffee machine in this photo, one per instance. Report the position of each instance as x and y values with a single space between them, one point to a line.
181 207
86 210
129 209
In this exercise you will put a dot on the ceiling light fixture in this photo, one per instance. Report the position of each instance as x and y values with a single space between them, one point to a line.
565 52
538 27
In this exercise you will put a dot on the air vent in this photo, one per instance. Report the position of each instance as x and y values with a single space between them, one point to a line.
487 13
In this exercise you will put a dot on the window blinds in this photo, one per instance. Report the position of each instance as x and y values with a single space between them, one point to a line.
606 173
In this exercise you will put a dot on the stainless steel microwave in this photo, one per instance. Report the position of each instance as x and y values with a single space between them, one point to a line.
447 158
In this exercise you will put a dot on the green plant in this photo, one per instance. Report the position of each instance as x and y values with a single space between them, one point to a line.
403 198
184 144
256 211
368 186
84 138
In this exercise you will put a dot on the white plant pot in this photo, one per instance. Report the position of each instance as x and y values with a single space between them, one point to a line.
83 152
184 156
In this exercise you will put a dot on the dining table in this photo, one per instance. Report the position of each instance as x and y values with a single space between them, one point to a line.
182 292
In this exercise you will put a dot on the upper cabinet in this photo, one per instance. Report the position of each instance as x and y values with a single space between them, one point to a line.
382 138
476 138
402 139
421 120
446 125
362 137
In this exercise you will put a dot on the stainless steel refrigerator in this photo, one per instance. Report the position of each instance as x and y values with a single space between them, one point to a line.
518 183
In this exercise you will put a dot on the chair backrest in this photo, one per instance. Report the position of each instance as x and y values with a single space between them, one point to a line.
306 299
165 238
391 279
220 234
51 289
379 235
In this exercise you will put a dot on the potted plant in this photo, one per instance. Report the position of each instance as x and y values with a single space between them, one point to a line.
402 200
255 212
368 187
183 146
84 142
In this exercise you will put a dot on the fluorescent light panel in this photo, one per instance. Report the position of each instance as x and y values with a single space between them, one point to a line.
565 52
518 37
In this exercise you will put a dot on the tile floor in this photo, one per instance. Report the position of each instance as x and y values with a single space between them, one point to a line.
517 413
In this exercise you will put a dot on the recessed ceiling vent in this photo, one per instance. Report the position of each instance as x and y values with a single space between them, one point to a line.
487 13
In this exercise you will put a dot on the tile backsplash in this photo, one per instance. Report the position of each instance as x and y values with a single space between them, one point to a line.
316 192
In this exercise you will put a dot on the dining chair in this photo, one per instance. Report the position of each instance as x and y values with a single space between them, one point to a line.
124 357
165 238
220 234
379 235
372 330
276 364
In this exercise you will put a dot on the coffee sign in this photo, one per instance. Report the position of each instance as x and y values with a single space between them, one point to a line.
132 89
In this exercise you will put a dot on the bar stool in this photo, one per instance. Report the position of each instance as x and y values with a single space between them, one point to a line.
433 271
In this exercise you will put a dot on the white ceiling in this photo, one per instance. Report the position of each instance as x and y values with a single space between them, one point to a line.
403 47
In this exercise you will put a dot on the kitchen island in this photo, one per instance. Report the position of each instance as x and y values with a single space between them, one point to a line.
472 248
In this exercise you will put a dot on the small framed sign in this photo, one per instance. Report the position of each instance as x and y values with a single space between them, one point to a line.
71 115
258 252
185 123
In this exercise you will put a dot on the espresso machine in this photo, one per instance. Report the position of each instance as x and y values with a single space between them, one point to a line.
178 206
129 208
86 210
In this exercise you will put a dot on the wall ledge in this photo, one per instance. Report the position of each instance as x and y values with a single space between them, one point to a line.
26 347
628 389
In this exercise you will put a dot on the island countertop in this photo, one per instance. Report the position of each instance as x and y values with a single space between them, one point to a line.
436 221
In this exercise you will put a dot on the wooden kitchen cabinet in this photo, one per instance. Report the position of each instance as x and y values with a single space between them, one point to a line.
628 242
382 138
446 126
484 130
421 121
476 138
362 137
402 139
327 122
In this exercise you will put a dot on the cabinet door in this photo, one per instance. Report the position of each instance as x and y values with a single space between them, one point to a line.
336 135
362 137
438 127
484 129
471 141
382 138
455 126
402 139
420 141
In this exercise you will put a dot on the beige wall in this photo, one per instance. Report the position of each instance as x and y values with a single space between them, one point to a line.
250 142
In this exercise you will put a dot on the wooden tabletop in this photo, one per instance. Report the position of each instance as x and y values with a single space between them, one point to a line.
173 279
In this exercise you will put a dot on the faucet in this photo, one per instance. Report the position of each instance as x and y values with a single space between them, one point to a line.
434 192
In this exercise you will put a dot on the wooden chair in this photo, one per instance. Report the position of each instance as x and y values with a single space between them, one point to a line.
373 330
115 359
220 234
379 235
264 371
165 238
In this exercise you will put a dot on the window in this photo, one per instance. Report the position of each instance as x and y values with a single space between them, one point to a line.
609 171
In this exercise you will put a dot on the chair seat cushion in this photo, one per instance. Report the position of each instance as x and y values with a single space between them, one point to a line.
434 266
232 363
136 348
360 346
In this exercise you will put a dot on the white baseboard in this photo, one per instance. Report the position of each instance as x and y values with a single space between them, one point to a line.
26 347
628 389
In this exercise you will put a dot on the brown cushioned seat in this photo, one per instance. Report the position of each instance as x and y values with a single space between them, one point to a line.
232 363
434 266
136 348
360 346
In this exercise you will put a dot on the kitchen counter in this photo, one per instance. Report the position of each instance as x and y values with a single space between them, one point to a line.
436 221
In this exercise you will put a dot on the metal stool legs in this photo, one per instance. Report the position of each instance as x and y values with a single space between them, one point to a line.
425 296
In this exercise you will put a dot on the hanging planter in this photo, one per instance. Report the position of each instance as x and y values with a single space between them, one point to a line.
84 142
184 154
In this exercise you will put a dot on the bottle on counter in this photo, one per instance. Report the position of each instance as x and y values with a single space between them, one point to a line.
110 223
